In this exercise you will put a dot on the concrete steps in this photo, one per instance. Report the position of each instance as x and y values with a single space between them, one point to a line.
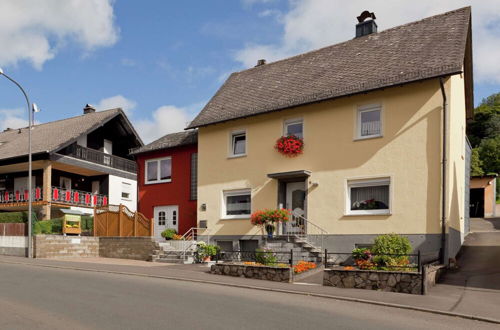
174 253
302 249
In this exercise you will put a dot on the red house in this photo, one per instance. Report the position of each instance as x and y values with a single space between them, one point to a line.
167 181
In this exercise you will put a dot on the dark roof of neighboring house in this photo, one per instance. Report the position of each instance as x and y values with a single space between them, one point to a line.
432 47
55 135
169 141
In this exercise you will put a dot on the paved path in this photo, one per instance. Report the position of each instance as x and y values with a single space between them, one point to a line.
476 285
50 298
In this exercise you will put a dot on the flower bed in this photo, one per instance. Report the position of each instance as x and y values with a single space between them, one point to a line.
303 266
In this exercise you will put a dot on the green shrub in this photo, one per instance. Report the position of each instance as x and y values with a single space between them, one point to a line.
168 234
204 250
16 217
361 254
87 223
265 256
391 244
56 225
42 227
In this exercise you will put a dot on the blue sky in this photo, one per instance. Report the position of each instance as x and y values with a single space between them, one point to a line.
163 60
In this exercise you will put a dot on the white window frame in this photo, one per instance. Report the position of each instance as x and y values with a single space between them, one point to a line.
232 135
158 160
368 108
239 192
128 191
367 182
288 122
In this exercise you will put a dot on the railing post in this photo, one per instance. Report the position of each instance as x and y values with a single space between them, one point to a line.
422 273
135 224
291 257
326 257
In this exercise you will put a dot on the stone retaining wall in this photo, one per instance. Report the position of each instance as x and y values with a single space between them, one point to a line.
137 248
58 246
405 282
277 274
14 246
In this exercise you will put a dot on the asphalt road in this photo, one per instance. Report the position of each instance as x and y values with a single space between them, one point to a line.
43 298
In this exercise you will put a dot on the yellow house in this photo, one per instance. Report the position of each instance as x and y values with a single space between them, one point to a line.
382 118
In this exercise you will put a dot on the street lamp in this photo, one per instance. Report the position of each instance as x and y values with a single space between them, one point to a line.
31 109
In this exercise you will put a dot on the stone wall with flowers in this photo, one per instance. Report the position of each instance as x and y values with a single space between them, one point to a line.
391 281
270 273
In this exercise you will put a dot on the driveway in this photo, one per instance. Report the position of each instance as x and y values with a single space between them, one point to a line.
477 282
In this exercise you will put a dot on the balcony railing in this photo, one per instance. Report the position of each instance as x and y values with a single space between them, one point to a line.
59 195
99 157
78 197
20 196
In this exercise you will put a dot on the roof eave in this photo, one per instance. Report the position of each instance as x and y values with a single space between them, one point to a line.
327 99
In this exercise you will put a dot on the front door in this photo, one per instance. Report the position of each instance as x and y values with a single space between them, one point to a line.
295 201
166 217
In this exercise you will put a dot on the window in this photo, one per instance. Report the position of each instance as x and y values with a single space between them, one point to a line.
294 127
369 121
159 170
237 204
238 143
368 196
126 188
194 176
161 218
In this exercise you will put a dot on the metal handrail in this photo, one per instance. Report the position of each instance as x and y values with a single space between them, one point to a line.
322 232
191 234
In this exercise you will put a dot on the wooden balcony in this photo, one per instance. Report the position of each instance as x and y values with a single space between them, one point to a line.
60 196
101 158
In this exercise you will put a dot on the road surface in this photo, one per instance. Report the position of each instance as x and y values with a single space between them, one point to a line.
34 297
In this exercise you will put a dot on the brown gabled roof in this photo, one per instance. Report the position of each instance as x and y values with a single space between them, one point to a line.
428 48
169 141
52 136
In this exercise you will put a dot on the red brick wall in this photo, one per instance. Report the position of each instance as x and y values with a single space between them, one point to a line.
176 192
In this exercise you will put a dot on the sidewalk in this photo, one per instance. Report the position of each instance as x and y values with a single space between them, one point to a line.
443 298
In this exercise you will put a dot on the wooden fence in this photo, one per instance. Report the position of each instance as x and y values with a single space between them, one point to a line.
13 229
118 220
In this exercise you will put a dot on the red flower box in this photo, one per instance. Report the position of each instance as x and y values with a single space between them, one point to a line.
290 145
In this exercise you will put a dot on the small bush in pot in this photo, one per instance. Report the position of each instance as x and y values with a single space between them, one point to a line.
204 252
168 234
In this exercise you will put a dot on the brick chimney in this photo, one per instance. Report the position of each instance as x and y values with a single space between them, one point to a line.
88 109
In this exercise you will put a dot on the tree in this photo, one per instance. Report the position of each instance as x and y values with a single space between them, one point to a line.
476 164
489 153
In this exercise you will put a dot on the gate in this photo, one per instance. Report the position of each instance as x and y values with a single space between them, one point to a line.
118 220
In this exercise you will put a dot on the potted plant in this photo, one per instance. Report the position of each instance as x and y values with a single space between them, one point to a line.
205 252
168 234
269 218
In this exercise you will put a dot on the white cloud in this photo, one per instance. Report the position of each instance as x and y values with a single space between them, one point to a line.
34 31
13 118
117 101
128 62
312 24
166 119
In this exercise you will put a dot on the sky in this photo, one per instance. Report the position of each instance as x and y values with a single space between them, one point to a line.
161 61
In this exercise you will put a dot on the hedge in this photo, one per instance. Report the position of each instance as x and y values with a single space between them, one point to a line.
54 226
16 217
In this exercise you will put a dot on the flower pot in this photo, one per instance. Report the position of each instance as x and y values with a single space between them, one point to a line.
206 259
270 231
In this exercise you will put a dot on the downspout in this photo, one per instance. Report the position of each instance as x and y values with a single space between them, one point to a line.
443 175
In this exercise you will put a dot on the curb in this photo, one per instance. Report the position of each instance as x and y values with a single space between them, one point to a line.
253 287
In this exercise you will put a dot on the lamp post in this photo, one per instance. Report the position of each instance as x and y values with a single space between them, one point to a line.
31 108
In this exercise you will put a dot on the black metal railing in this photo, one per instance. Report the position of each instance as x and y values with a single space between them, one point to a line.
99 157
372 261
272 257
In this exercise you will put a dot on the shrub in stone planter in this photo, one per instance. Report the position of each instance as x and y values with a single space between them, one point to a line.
391 244
265 257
